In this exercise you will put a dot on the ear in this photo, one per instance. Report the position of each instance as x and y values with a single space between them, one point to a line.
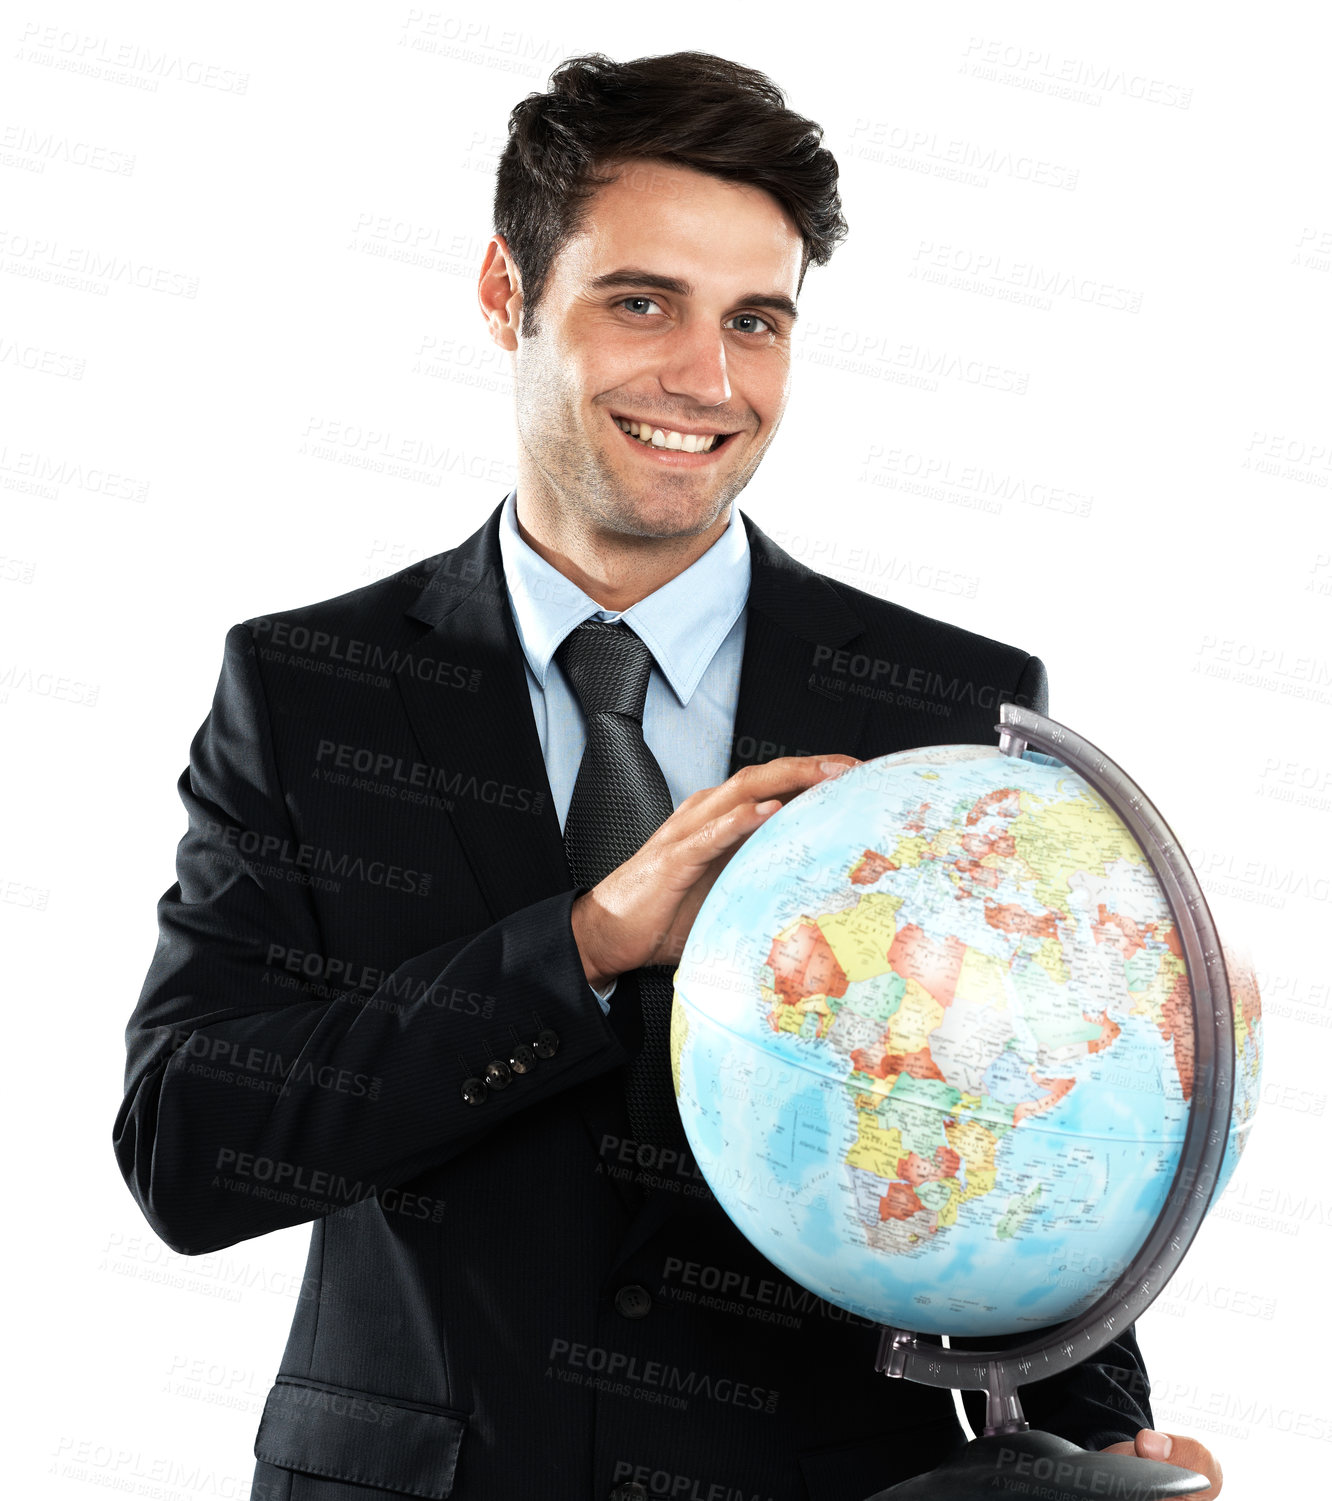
499 291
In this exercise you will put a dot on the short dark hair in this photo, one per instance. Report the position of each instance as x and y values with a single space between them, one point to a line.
690 109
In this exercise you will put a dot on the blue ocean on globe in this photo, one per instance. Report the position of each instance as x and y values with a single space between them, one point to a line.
932 1038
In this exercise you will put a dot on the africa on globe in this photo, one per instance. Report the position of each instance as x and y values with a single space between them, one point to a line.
932 1041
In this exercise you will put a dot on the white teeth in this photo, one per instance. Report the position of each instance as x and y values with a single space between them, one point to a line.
658 437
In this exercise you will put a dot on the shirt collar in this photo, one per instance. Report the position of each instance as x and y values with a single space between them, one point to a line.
682 623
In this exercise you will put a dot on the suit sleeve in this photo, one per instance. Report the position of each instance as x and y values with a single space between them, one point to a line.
1102 1400
1033 689
351 1092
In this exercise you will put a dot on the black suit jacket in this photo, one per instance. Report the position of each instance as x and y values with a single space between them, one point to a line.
504 1299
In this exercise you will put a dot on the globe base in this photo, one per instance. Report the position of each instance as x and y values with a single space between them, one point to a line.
1039 1464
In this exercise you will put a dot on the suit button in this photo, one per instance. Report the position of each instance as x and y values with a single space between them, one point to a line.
523 1059
474 1091
547 1043
630 1491
633 1302
498 1074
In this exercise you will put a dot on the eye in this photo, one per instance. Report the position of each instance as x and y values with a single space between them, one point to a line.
753 318
649 300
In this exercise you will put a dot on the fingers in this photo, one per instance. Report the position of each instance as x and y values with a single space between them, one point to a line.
724 834
783 778
785 775
762 791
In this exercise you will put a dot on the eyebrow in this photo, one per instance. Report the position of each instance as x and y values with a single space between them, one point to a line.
631 276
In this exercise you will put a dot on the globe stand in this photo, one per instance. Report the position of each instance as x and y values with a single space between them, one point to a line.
1010 1457
1039 1464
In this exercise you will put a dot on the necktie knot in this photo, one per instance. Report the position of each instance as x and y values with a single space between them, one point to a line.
608 666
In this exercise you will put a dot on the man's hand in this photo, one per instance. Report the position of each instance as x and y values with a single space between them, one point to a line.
1187 1453
642 911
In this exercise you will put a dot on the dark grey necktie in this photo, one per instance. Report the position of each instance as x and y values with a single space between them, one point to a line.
619 799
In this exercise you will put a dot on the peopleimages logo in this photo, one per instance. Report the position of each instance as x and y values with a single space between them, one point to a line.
375 766
680 1487
247 1173
669 1379
223 1054
320 1399
349 979
764 1299
324 648
1085 1476
314 857
914 679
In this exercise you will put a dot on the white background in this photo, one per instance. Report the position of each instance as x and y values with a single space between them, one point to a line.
225 235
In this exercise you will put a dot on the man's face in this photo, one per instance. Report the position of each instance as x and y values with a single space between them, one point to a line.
711 354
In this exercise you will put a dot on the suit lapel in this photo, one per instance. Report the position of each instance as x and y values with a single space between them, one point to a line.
517 857
794 620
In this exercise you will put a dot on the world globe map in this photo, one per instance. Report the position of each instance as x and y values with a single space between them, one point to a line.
932 1041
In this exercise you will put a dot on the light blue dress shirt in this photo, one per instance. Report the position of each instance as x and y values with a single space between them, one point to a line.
694 626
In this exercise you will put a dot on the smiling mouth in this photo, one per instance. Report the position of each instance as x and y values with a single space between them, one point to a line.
670 439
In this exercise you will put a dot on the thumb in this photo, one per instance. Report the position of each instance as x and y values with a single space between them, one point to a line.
1187 1453
1151 1443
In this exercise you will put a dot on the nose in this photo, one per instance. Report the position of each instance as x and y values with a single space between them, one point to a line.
694 366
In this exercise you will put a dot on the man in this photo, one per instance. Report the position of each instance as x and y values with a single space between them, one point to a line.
383 1002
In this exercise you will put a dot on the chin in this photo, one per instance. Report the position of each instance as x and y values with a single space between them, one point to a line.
658 515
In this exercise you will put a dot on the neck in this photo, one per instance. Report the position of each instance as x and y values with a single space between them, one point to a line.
617 569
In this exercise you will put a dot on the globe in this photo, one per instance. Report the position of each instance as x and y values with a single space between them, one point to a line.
933 1042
